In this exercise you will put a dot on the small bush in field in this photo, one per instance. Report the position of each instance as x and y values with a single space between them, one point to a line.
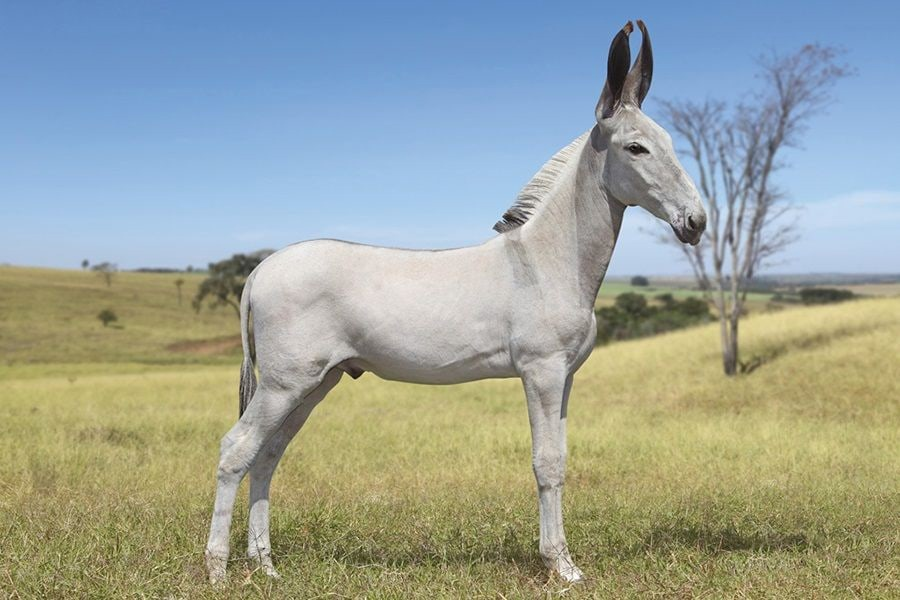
107 316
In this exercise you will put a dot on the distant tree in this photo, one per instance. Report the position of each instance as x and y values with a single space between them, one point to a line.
189 268
226 279
178 283
107 316
640 281
106 270
85 264
737 153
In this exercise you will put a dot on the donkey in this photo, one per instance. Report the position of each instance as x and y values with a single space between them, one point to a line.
519 305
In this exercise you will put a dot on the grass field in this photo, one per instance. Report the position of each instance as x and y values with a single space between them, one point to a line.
51 316
756 301
872 289
784 483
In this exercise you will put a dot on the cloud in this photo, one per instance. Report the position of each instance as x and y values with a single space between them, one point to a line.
853 210
851 233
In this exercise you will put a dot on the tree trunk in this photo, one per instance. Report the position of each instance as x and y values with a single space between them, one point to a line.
727 358
730 353
727 324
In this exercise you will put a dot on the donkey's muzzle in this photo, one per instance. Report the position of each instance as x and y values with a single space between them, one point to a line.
691 228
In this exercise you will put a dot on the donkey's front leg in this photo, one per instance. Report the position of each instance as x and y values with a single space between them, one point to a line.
547 389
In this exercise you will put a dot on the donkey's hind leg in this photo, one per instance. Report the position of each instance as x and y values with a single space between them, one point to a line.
270 406
258 542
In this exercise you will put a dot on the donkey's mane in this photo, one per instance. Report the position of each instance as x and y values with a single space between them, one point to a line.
537 190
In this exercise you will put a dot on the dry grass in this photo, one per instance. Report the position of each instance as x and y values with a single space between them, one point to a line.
51 316
783 483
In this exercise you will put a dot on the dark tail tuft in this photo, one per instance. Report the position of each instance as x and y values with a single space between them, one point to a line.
248 384
248 377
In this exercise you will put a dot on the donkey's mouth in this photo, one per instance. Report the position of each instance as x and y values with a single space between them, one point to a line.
686 236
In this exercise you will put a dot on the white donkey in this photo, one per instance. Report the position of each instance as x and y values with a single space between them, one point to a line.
519 305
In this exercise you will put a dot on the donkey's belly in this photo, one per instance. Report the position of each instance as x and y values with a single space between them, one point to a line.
431 366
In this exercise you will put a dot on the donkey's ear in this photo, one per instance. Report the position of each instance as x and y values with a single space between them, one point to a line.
616 72
637 84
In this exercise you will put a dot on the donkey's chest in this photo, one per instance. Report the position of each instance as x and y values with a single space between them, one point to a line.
570 334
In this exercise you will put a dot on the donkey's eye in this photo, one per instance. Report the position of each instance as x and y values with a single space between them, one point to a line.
636 149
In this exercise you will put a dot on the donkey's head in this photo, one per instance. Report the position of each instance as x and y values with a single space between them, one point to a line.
641 166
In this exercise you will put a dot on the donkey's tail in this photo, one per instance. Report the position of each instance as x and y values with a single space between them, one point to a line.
248 376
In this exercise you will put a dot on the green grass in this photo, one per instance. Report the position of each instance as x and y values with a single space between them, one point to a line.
784 483
756 301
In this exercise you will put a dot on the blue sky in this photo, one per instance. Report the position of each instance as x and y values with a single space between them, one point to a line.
168 134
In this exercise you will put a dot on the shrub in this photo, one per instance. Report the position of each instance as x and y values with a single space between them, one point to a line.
824 295
692 307
107 316
634 305
667 300
631 316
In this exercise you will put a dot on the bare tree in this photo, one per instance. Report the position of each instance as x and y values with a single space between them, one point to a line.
106 270
736 152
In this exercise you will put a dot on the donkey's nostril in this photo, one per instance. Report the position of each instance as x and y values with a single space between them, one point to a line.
691 223
696 223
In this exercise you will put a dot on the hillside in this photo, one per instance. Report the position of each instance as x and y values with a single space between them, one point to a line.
50 316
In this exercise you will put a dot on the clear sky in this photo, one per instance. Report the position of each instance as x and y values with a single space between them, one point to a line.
168 134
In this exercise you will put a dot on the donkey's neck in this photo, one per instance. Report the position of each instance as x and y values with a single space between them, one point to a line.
573 235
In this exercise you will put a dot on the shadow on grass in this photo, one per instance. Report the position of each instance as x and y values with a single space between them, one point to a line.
809 342
411 549
717 540
342 539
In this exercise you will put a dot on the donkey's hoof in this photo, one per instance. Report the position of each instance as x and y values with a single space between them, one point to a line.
561 564
271 572
570 573
266 566
215 567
